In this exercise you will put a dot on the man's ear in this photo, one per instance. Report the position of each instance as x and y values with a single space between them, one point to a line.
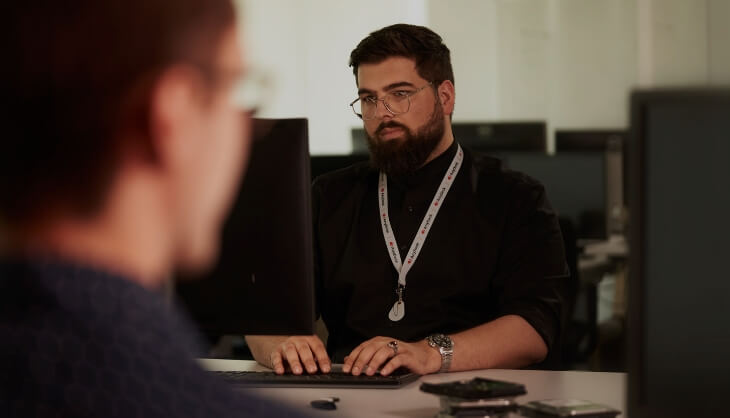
174 102
447 96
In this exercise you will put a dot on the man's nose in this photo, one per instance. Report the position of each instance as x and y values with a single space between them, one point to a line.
381 111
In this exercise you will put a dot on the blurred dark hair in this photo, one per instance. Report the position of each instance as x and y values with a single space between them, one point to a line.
421 44
77 79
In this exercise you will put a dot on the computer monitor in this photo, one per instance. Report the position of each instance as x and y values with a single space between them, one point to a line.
575 183
322 164
570 140
610 143
263 280
502 136
679 274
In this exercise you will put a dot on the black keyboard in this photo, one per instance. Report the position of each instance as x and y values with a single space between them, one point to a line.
334 378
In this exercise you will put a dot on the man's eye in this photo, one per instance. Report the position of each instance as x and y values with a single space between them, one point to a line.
369 99
401 93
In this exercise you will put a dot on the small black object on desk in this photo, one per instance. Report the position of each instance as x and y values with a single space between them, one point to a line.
325 403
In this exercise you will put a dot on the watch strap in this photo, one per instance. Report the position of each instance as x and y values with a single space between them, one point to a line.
446 357
445 346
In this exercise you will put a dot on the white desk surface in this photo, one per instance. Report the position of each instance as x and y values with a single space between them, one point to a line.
604 388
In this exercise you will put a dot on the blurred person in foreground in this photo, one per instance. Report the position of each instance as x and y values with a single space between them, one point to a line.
121 151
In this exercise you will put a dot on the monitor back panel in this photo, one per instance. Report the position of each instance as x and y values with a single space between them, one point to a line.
263 280
679 327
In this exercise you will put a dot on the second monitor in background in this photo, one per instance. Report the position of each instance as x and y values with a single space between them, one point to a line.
322 164
583 179
612 144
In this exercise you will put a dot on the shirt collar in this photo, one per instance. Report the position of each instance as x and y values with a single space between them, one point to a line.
434 169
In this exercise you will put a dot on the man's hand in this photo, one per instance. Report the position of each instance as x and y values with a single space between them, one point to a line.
298 350
369 356
307 350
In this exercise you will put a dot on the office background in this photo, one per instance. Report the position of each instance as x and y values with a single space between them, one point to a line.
570 63
567 64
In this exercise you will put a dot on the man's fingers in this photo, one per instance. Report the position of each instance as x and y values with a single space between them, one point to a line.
408 360
292 357
305 356
276 363
361 363
393 364
351 359
381 356
301 353
320 353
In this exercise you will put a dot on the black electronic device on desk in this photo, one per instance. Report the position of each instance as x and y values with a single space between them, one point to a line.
557 408
334 379
476 397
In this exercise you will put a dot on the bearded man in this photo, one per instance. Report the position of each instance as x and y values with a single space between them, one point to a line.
429 257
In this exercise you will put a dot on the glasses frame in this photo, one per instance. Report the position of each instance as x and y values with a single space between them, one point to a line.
385 104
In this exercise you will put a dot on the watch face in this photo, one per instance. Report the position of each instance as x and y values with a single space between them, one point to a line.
441 340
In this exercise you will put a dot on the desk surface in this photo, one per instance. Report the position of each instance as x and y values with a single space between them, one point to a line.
605 388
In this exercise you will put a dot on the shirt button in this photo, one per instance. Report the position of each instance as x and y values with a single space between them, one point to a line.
403 248
410 209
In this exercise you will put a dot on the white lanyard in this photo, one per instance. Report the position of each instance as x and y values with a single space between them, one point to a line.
397 312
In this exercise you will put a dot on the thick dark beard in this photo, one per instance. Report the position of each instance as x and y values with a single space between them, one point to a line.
401 157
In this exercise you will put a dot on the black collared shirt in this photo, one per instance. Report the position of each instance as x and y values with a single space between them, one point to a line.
494 249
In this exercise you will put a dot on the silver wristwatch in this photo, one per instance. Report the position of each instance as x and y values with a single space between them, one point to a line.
445 345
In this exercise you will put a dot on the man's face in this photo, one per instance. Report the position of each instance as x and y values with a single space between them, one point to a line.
217 142
400 144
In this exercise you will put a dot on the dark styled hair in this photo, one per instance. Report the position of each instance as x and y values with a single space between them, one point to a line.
77 79
424 46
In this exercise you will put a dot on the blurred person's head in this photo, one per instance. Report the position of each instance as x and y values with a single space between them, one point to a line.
408 67
120 134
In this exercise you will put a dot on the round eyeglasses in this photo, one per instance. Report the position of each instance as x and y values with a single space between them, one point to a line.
396 102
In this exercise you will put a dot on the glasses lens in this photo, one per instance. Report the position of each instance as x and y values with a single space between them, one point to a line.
366 108
397 103
252 91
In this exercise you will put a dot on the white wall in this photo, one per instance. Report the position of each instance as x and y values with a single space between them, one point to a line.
304 47
569 62
718 12
592 63
684 42
469 29
675 34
